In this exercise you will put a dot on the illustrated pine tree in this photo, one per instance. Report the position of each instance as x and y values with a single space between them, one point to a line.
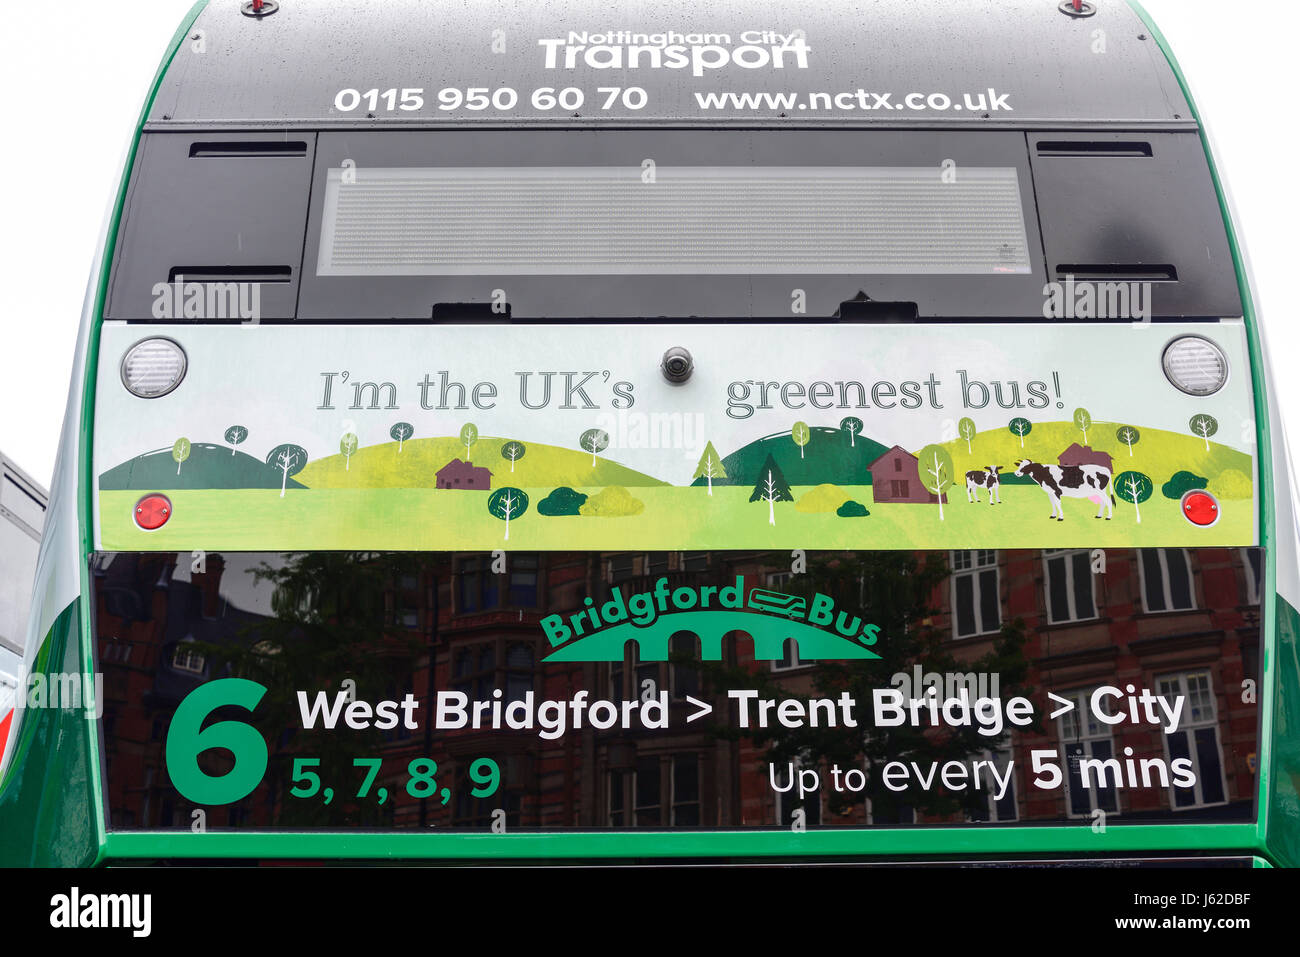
771 487
710 466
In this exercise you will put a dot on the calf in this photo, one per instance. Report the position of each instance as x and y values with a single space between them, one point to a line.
989 479
1092 482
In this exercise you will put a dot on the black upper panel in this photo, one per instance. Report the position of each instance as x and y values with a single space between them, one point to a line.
286 69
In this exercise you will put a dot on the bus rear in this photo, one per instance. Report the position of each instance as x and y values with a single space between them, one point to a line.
743 434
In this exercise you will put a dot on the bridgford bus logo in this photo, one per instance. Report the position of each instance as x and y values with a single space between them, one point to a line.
700 52
650 618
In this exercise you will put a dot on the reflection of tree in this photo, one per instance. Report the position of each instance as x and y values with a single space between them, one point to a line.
891 590
331 622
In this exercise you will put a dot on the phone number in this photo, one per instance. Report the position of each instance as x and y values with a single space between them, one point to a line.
477 98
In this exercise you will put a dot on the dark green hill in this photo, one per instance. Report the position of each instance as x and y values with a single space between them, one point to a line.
828 459
208 466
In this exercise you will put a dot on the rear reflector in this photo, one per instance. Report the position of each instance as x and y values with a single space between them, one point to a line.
1201 508
152 512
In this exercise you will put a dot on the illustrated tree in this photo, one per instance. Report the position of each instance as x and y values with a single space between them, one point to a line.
514 451
1083 422
966 429
710 466
400 433
936 472
853 427
1021 427
801 434
1129 436
289 459
594 440
468 436
347 445
1204 426
1134 487
235 435
507 503
771 488
180 452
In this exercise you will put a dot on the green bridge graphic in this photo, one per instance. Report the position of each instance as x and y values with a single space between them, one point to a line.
769 633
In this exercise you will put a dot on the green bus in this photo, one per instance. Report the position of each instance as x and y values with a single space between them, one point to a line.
733 432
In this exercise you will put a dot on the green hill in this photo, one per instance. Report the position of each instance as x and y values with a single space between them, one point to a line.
208 466
416 466
829 458
1158 454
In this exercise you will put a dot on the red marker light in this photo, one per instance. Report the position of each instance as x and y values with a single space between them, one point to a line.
1200 508
152 512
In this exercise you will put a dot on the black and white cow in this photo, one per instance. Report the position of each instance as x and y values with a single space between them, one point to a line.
1092 482
989 479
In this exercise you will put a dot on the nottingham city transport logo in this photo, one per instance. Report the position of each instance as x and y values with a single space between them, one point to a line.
651 618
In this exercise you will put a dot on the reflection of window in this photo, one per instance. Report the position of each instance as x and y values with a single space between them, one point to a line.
684 675
686 790
1084 738
1196 738
478 587
523 580
474 671
1069 586
185 658
881 814
1253 559
406 607
519 671
976 608
695 561
616 781
788 802
646 792
1166 580
790 659
621 568
656 564
471 811
995 809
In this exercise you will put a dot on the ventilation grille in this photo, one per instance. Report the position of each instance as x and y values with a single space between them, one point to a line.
691 220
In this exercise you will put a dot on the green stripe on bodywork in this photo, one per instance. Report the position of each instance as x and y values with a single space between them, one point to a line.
1266 484
1283 798
86 484
51 790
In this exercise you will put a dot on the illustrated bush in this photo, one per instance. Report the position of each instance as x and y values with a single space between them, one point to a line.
612 502
822 499
852 510
1233 484
1181 484
563 501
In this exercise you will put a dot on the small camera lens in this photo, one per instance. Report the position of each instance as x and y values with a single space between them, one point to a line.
677 365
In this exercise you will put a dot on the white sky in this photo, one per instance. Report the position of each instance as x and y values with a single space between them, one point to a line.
75 73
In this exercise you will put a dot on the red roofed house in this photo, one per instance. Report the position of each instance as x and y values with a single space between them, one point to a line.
1084 455
458 474
896 477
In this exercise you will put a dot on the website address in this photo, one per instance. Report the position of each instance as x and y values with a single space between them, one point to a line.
1203 924
859 101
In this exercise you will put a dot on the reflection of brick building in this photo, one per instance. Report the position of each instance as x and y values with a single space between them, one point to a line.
1178 622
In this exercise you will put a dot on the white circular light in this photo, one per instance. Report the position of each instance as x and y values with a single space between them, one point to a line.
1195 365
153 367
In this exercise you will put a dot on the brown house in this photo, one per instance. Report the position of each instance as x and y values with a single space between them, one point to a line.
464 475
896 477
1084 455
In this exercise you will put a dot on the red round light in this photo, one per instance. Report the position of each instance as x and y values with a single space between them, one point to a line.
1200 508
152 512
